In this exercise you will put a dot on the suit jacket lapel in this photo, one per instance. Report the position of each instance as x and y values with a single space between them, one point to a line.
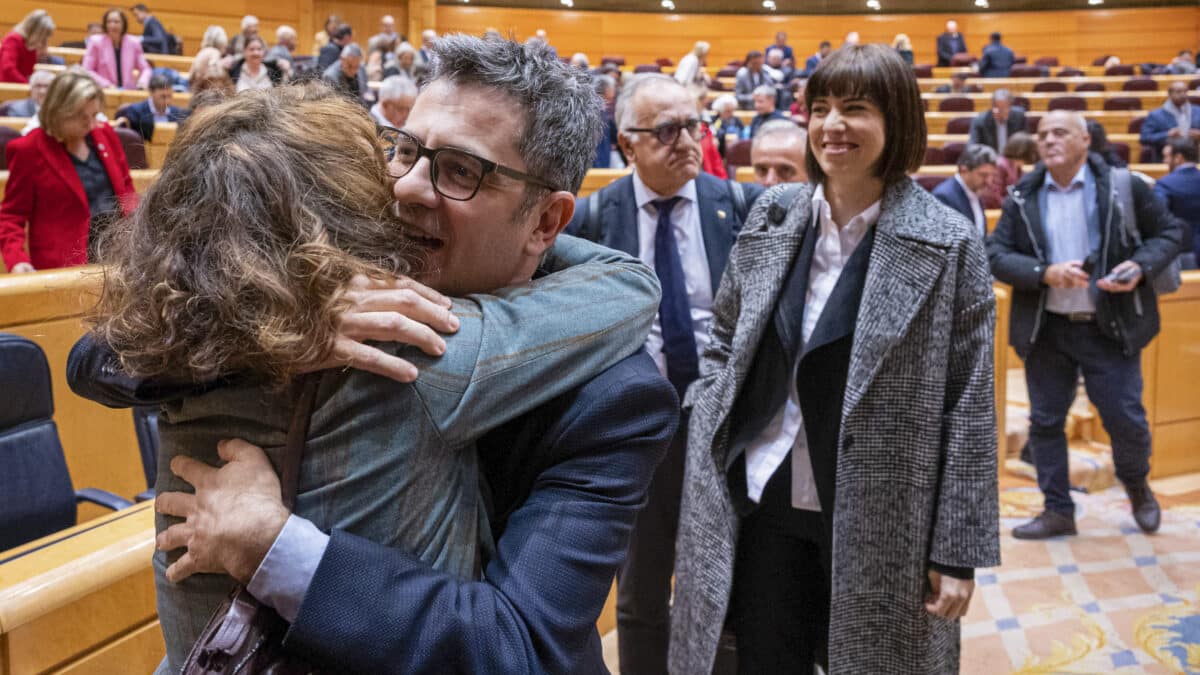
622 211
716 224
904 266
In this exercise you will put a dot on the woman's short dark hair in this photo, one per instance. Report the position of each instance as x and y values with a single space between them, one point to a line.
124 20
877 73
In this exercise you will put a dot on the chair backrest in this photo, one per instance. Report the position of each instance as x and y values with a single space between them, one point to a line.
923 71
145 422
716 85
736 63
951 151
1101 60
738 154
1121 150
963 59
959 125
1148 155
647 68
1140 84
615 60
933 156
929 182
1031 123
1026 71
973 89
6 135
135 148
1071 72
956 104
664 62
1123 103
1118 70
1090 86
1022 101
1047 61
1050 85
1067 103
1135 125
36 495
728 71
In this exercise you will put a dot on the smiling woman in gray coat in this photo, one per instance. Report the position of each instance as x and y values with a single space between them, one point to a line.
841 477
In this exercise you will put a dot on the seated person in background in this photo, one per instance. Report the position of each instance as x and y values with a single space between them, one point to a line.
777 153
19 50
39 82
249 30
727 127
210 60
115 58
976 171
1180 189
388 461
815 60
958 85
997 59
396 97
141 117
949 43
607 155
903 46
154 36
782 45
381 63
799 109
1101 146
1177 117
406 62
332 50
750 76
347 75
285 46
1182 64
993 127
1019 152
764 106
66 180
252 70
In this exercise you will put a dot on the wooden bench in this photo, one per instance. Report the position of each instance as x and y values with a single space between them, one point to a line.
113 98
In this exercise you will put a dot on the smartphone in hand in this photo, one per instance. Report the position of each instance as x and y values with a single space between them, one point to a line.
1124 276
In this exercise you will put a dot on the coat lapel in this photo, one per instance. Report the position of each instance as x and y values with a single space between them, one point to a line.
905 263
716 224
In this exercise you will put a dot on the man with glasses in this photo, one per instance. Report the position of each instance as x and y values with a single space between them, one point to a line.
683 223
484 189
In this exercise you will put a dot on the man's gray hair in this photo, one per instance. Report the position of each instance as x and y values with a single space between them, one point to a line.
975 156
562 109
406 48
351 51
285 33
725 101
396 86
1001 95
629 90
249 20
763 90
41 77
782 127
604 83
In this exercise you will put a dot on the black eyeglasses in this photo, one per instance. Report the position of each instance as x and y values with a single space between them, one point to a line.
668 132
455 174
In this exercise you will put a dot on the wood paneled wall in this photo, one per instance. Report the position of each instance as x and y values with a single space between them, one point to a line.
1075 37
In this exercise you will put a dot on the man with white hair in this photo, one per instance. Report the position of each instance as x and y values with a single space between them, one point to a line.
387 33
683 223
778 153
285 46
39 84
764 106
249 30
348 75
950 43
1083 301
425 53
396 97
580 61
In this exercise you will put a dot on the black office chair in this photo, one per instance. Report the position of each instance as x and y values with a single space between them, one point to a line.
36 494
145 422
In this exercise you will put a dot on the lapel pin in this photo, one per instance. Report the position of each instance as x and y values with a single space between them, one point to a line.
100 146
720 213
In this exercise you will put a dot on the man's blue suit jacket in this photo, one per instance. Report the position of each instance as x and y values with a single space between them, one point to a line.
1180 189
950 193
565 505
154 36
141 117
618 223
1159 123
811 64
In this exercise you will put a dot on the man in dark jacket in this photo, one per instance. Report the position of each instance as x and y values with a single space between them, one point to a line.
141 117
1082 302
154 36
329 54
997 59
993 127
1180 190
950 43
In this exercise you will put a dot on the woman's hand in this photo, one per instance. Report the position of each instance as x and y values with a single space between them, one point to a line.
395 310
948 598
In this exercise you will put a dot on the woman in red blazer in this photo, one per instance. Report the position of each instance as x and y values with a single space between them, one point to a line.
19 50
63 176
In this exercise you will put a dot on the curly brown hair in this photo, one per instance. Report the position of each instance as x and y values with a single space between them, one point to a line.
265 207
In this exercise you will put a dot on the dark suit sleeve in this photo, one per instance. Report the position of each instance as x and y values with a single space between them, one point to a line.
154 37
976 129
94 373
379 610
1162 232
1155 129
1020 270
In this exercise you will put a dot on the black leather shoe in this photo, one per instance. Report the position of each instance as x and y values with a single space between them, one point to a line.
1146 511
1049 524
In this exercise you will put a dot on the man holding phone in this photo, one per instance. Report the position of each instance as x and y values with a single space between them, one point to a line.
1082 303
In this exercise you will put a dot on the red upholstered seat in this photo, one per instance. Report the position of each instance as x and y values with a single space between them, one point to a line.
1121 150
923 71
1135 125
1067 103
1123 103
1050 85
1140 84
614 60
1031 123
1122 69
648 68
134 146
959 125
1090 86
934 156
963 59
1026 71
1048 61
1070 72
929 182
1021 101
729 71
956 104
738 154
951 151
664 62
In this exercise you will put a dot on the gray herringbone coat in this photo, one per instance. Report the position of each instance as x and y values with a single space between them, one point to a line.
917 463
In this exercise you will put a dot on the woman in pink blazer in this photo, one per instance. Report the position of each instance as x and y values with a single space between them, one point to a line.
114 57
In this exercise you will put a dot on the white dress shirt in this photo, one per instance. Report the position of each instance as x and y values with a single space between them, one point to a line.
785 432
689 238
976 206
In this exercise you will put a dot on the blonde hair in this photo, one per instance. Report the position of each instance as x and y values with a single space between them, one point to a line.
215 37
69 92
902 42
36 28
700 48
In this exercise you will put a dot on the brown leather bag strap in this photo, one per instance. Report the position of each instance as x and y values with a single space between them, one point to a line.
293 452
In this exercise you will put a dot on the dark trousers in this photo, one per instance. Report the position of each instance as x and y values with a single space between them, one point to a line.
780 604
1114 385
644 580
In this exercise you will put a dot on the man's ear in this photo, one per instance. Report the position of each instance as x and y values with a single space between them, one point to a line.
626 147
554 212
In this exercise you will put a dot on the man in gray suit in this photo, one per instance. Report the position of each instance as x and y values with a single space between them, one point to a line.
348 75
993 127
39 84
750 77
